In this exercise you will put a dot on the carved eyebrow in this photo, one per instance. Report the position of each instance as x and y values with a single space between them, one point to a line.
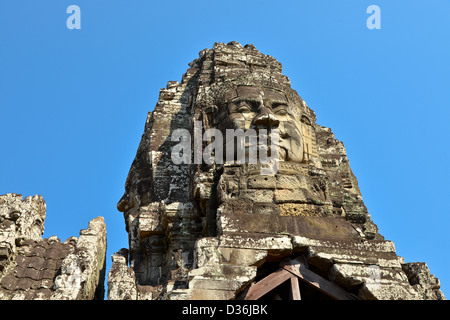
238 99
278 103
273 102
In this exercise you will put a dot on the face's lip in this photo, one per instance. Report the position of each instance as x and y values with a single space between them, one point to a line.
283 135
283 153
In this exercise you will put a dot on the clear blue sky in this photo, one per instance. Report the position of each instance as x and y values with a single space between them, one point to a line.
73 103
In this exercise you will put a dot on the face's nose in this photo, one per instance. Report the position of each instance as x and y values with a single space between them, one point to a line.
265 119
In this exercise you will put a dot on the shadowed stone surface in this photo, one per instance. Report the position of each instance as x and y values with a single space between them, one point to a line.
205 231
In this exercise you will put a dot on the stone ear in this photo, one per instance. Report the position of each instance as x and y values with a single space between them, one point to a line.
210 114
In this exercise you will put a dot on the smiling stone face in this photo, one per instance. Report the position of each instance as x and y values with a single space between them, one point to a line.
258 107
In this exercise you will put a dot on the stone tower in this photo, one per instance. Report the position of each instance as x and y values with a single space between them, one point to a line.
203 228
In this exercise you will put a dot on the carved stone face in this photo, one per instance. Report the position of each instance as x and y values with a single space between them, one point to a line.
257 107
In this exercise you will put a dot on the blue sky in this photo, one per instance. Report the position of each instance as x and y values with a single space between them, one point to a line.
73 103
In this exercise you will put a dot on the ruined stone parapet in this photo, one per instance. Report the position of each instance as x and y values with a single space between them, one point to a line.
424 283
33 268
121 279
82 272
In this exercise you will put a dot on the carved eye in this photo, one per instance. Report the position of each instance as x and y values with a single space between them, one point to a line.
244 108
281 110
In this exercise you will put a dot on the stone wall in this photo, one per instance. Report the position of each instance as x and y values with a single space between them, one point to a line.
32 268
